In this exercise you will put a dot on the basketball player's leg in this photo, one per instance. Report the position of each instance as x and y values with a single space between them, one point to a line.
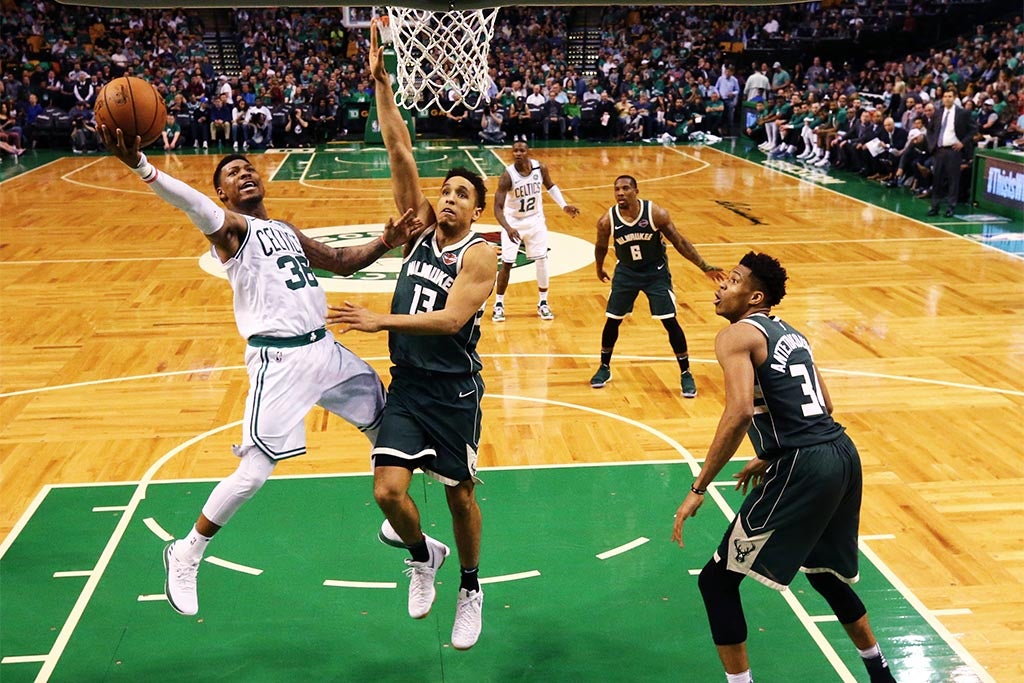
509 250
620 303
536 240
354 391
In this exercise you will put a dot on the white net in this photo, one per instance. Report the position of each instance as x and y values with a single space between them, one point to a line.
440 53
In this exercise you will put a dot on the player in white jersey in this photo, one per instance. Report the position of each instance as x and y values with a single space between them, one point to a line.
293 361
522 220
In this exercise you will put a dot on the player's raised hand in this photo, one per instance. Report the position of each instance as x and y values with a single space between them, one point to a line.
715 274
377 70
127 152
397 233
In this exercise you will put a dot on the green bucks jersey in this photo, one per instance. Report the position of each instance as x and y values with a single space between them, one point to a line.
428 273
789 408
638 243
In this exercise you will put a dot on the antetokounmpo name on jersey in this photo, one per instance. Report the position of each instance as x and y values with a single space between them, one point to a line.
432 273
784 348
273 240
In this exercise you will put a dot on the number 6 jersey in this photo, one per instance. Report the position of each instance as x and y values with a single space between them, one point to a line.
638 243
276 292
789 407
428 273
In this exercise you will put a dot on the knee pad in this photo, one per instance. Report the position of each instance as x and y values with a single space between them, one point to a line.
241 485
720 589
844 602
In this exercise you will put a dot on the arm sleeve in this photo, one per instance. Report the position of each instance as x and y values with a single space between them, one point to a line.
201 210
556 194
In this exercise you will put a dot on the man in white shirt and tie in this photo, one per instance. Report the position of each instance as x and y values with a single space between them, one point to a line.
951 141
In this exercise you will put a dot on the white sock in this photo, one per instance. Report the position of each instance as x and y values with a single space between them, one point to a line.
192 547
499 299
871 652
744 677
542 298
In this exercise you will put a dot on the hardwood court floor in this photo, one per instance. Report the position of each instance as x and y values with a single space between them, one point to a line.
116 349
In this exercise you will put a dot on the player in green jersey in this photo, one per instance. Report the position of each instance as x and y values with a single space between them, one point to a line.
639 228
804 510
432 418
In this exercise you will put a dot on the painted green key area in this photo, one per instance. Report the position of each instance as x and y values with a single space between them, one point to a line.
635 616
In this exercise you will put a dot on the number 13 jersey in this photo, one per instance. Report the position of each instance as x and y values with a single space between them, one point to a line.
427 275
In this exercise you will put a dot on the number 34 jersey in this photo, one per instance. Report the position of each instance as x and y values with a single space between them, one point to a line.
789 406
427 275
275 291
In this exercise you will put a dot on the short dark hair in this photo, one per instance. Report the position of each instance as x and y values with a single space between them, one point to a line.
631 179
224 162
768 274
477 182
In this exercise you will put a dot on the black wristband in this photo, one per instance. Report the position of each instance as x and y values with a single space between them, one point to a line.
699 492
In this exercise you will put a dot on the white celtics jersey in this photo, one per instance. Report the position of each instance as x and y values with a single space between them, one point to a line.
276 292
525 199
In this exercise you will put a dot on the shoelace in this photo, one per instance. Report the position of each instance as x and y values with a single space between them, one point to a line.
467 611
185 575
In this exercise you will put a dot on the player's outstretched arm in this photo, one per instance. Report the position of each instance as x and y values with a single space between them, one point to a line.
472 286
222 227
405 177
556 192
348 260
664 223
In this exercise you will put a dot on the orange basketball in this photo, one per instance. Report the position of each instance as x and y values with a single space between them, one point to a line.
134 106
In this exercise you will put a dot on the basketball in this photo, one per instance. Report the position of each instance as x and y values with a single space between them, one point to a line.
134 106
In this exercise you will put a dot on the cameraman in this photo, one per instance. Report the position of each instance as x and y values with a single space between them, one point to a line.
83 128
490 125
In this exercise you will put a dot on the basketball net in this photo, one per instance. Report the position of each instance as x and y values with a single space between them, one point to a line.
439 53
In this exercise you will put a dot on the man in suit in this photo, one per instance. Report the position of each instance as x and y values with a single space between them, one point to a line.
950 140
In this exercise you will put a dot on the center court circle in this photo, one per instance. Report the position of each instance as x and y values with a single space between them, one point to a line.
566 254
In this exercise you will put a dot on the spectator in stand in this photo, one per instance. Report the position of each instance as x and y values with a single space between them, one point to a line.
757 87
755 131
520 119
607 118
171 134
714 115
260 124
728 89
296 133
458 117
31 112
780 78
552 117
83 129
239 129
572 111
490 125
220 120
201 124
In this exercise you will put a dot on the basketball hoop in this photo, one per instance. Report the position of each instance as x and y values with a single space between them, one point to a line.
439 52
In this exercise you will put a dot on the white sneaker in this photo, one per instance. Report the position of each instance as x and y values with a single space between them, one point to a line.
388 536
206 145
468 619
234 146
180 585
499 313
421 578
544 311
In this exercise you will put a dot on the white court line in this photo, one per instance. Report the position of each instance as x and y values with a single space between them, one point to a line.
234 566
798 609
694 572
624 548
98 260
878 537
541 356
511 577
23 520
108 508
925 613
360 584
287 155
67 575
50 663
22 659
952 612
158 530
822 618
475 161
25 173
155 597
